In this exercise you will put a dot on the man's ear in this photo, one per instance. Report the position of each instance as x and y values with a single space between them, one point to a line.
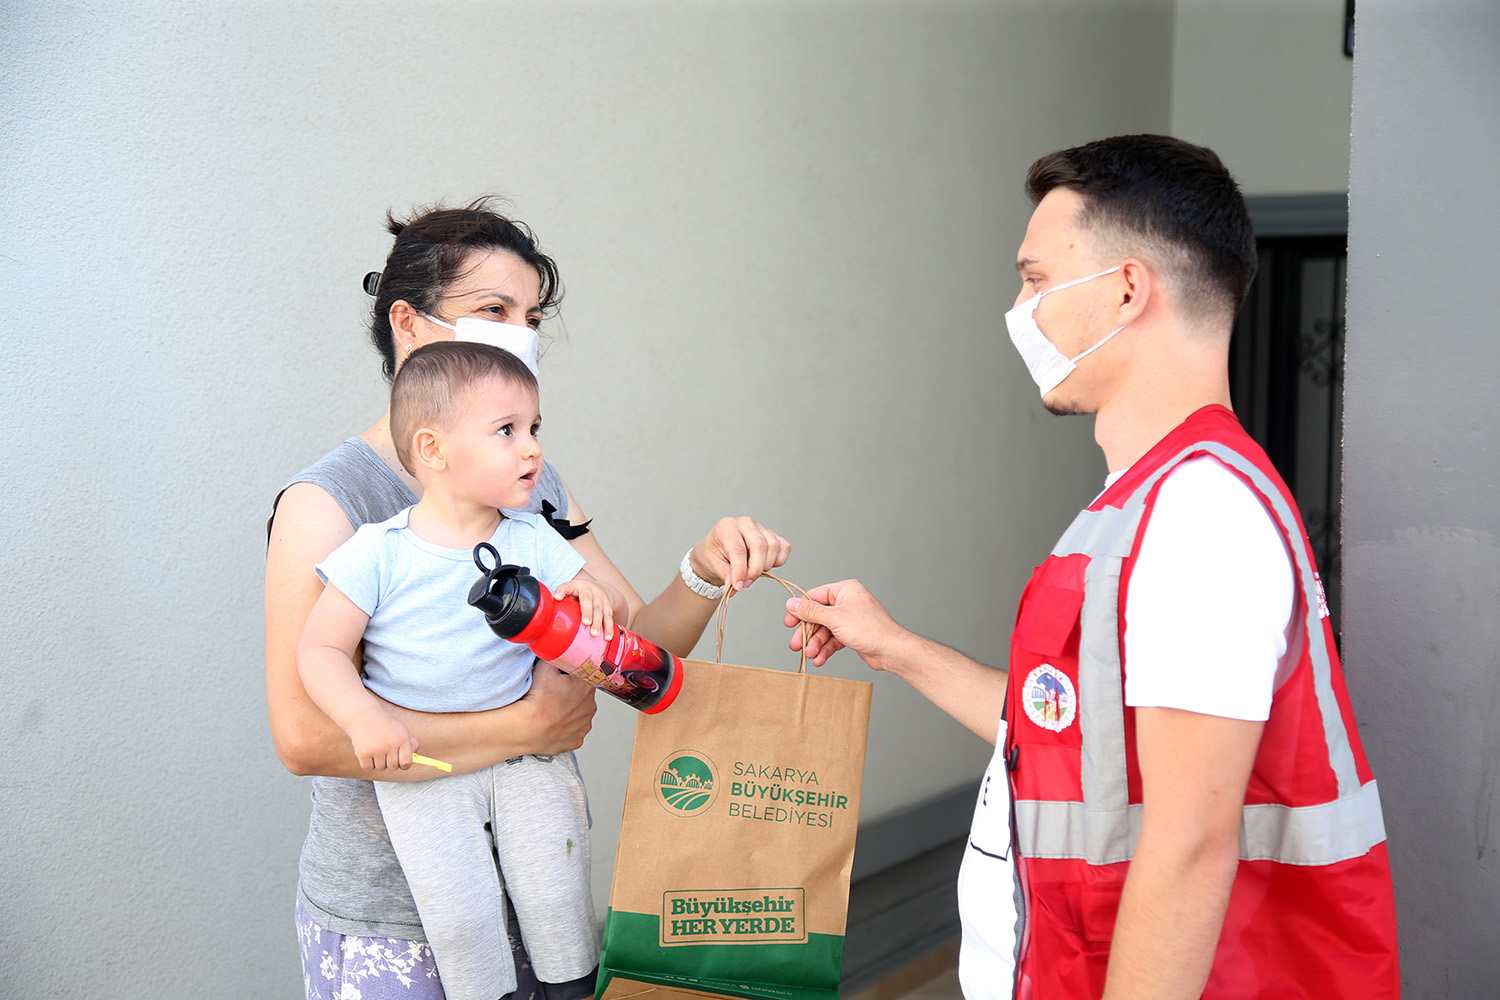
1140 285
428 450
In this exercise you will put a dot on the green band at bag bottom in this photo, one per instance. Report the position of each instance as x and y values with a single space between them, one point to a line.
808 970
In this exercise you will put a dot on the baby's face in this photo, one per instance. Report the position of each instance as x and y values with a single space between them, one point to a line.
494 457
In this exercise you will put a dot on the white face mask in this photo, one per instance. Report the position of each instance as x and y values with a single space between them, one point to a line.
518 340
1048 366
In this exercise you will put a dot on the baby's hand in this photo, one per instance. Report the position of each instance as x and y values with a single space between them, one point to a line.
380 741
597 601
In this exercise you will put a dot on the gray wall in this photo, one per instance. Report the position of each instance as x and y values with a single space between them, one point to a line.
1265 84
792 222
1421 473
787 232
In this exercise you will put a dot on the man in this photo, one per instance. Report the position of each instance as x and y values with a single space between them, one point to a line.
1192 811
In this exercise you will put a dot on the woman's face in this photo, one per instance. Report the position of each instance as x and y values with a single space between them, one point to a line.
494 285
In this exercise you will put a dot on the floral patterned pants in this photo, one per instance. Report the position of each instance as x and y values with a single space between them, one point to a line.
346 967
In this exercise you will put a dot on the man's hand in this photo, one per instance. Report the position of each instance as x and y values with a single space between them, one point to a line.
846 614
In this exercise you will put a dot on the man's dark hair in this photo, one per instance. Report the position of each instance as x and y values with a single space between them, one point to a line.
431 387
1167 201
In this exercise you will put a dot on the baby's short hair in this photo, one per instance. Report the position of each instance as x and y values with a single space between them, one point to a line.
430 386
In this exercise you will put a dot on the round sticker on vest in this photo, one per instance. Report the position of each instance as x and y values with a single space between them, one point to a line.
1049 698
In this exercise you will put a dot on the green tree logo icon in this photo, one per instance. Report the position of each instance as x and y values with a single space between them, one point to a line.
685 783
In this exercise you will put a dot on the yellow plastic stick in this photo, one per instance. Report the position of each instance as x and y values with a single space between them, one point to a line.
417 758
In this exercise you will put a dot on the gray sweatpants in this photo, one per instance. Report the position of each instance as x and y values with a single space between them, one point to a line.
530 816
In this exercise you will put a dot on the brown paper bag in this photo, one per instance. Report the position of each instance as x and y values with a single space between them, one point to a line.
732 876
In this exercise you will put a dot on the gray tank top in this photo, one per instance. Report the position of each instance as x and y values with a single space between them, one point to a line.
348 877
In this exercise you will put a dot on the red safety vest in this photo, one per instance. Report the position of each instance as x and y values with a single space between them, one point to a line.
1311 913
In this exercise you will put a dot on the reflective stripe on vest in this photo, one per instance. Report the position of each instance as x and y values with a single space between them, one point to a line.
1104 827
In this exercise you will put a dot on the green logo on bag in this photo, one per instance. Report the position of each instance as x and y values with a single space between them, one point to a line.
685 784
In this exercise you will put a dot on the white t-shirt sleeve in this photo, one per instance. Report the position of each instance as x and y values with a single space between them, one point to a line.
1210 601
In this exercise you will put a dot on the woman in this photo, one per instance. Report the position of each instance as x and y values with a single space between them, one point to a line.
356 920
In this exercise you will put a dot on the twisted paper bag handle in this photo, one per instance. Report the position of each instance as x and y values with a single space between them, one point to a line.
723 611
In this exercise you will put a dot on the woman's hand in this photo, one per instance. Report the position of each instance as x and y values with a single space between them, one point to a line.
562 710
737 551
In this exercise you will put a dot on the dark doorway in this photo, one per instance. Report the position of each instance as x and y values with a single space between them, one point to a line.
1286 379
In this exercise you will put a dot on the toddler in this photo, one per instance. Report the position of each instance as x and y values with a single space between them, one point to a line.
464 417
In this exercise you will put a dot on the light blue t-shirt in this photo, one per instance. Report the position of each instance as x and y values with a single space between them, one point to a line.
426 647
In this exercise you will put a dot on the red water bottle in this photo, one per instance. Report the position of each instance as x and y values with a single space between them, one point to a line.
519 608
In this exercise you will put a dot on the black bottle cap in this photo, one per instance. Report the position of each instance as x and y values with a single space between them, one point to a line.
508 595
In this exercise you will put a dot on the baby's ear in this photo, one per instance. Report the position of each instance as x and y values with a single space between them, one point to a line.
428 450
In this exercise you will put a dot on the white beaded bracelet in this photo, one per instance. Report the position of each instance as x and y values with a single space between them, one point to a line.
696 583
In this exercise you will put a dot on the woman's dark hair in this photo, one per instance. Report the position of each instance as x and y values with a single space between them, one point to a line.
1159 192
432 251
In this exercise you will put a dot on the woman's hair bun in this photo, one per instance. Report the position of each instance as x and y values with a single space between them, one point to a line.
372 283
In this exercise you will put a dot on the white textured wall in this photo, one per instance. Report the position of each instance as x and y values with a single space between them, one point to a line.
1421 565
1266 84
787 232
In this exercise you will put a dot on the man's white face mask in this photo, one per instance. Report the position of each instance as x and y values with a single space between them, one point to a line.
1048 366
518 340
